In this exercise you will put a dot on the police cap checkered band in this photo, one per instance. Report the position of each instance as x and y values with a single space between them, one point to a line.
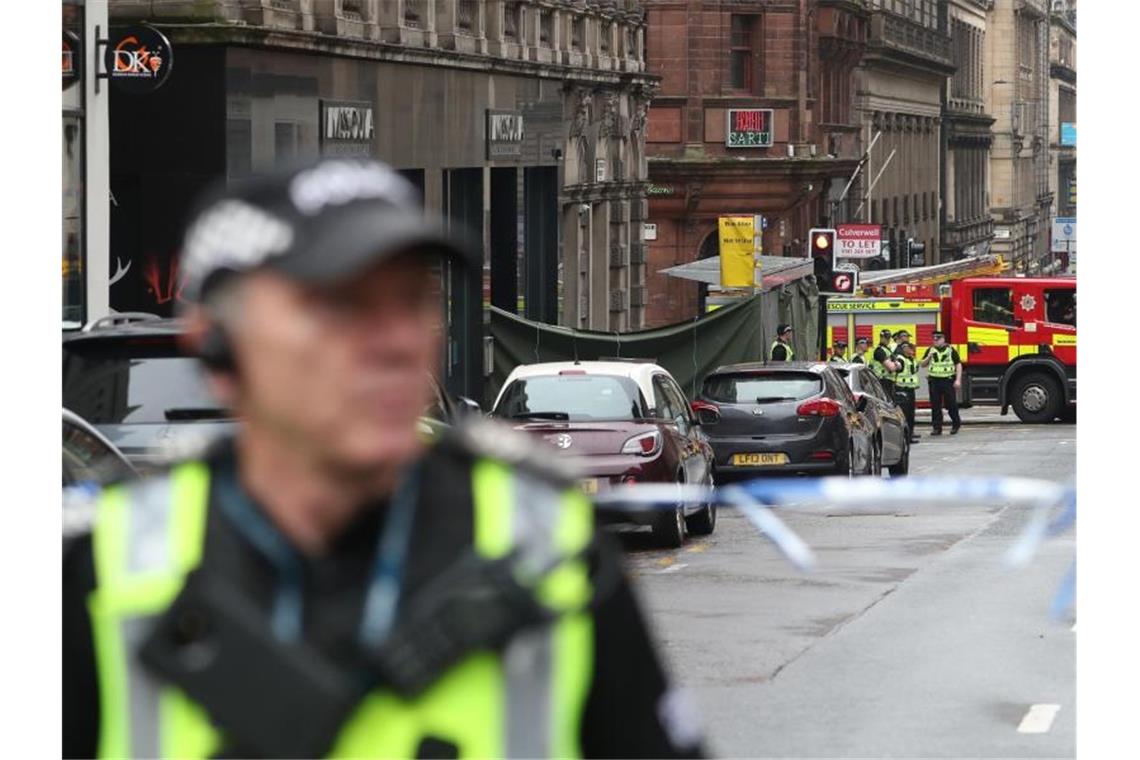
321 223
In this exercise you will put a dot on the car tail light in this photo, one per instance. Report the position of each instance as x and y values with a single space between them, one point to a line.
818 407
646 444
629 480
821 456
572 372
699 406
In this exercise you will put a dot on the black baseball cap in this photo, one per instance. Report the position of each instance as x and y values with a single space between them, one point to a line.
938 334
782 328
319 223
883 332
840 343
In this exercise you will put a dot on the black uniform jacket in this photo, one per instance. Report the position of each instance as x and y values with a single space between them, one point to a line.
631 710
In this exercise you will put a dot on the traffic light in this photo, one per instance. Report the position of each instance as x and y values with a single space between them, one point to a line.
821 248
915 253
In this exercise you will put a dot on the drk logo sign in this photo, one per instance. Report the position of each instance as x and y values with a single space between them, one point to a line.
138 59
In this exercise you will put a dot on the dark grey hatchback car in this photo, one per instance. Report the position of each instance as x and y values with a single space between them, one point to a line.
790 417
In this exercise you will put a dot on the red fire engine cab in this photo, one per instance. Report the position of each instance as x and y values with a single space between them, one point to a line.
1017 338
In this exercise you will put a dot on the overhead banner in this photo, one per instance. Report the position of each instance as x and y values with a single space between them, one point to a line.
737 251
858 241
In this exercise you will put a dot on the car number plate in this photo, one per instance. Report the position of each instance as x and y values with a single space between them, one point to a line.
589 485
760 459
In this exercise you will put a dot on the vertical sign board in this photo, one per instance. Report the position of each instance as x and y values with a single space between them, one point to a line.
1068 133
347 128
1064 239
858 241
504 134
748 128
737 263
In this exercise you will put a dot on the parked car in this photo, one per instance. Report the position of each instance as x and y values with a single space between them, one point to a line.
892 436
128 376
89 459
788 417
622 422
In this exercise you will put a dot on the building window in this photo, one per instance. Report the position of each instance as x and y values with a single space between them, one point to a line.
577 26
545 27
604 37
740 62
511 20
466 13
415 15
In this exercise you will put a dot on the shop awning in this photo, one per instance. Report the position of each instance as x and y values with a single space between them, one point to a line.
776 270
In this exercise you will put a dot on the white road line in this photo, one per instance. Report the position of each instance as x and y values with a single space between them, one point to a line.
672 568
1039 719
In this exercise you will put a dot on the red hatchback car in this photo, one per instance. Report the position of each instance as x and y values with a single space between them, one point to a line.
621 422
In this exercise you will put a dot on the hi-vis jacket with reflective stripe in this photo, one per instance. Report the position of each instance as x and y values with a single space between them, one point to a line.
787 347
941 363
526 702
907 377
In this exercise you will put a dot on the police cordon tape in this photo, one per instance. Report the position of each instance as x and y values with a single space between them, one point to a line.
757 498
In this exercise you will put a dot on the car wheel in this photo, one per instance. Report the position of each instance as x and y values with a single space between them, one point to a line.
903 466
703 522
1036 397
669 527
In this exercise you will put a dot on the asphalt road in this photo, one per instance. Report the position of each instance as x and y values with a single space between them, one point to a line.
911 638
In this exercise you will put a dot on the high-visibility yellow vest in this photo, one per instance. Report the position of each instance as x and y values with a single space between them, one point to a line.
907 377
528 702
942 362
787 348
878 368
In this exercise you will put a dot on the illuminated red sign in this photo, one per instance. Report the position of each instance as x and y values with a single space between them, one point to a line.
749 128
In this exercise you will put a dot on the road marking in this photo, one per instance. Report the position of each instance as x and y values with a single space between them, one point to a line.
698 548
1039 719
672 568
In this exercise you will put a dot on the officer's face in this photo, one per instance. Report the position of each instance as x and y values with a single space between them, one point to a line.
341 371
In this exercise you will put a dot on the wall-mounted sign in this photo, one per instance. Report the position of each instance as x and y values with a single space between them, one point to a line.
1064 236
648 231
748 128
1068 133
138 59
858 241
72 59
600 170
1001 233
347 128
659 190
504 133
737 251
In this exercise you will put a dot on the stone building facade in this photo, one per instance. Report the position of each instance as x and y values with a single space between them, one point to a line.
967 227
522 121
787 66
1063 131
1017 59
899 95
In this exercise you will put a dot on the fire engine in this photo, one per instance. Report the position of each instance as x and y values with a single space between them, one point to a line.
1016 336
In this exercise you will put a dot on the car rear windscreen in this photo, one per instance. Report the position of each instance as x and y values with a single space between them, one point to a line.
572 397
138 380
754 388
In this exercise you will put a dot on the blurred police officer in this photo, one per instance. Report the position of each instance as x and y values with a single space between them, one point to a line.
883 363
944 378
328 582
781 349
906 381
839 352
860 354
898 339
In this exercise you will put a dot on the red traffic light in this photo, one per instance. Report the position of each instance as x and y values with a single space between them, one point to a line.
822 241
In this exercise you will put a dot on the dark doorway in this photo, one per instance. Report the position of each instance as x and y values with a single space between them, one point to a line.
463 364
540 192
504 240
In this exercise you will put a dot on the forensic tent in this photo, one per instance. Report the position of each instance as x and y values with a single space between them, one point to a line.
688 350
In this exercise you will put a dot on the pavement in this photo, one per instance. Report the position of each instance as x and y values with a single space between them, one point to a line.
911 638
975 415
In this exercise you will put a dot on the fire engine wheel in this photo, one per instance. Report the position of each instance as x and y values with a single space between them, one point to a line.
1036 397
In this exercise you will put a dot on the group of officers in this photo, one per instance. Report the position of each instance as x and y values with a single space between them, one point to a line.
895 365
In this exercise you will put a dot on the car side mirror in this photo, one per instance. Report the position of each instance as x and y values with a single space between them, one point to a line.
468 407
706 413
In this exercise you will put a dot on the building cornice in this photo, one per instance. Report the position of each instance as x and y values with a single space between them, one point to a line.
289 40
